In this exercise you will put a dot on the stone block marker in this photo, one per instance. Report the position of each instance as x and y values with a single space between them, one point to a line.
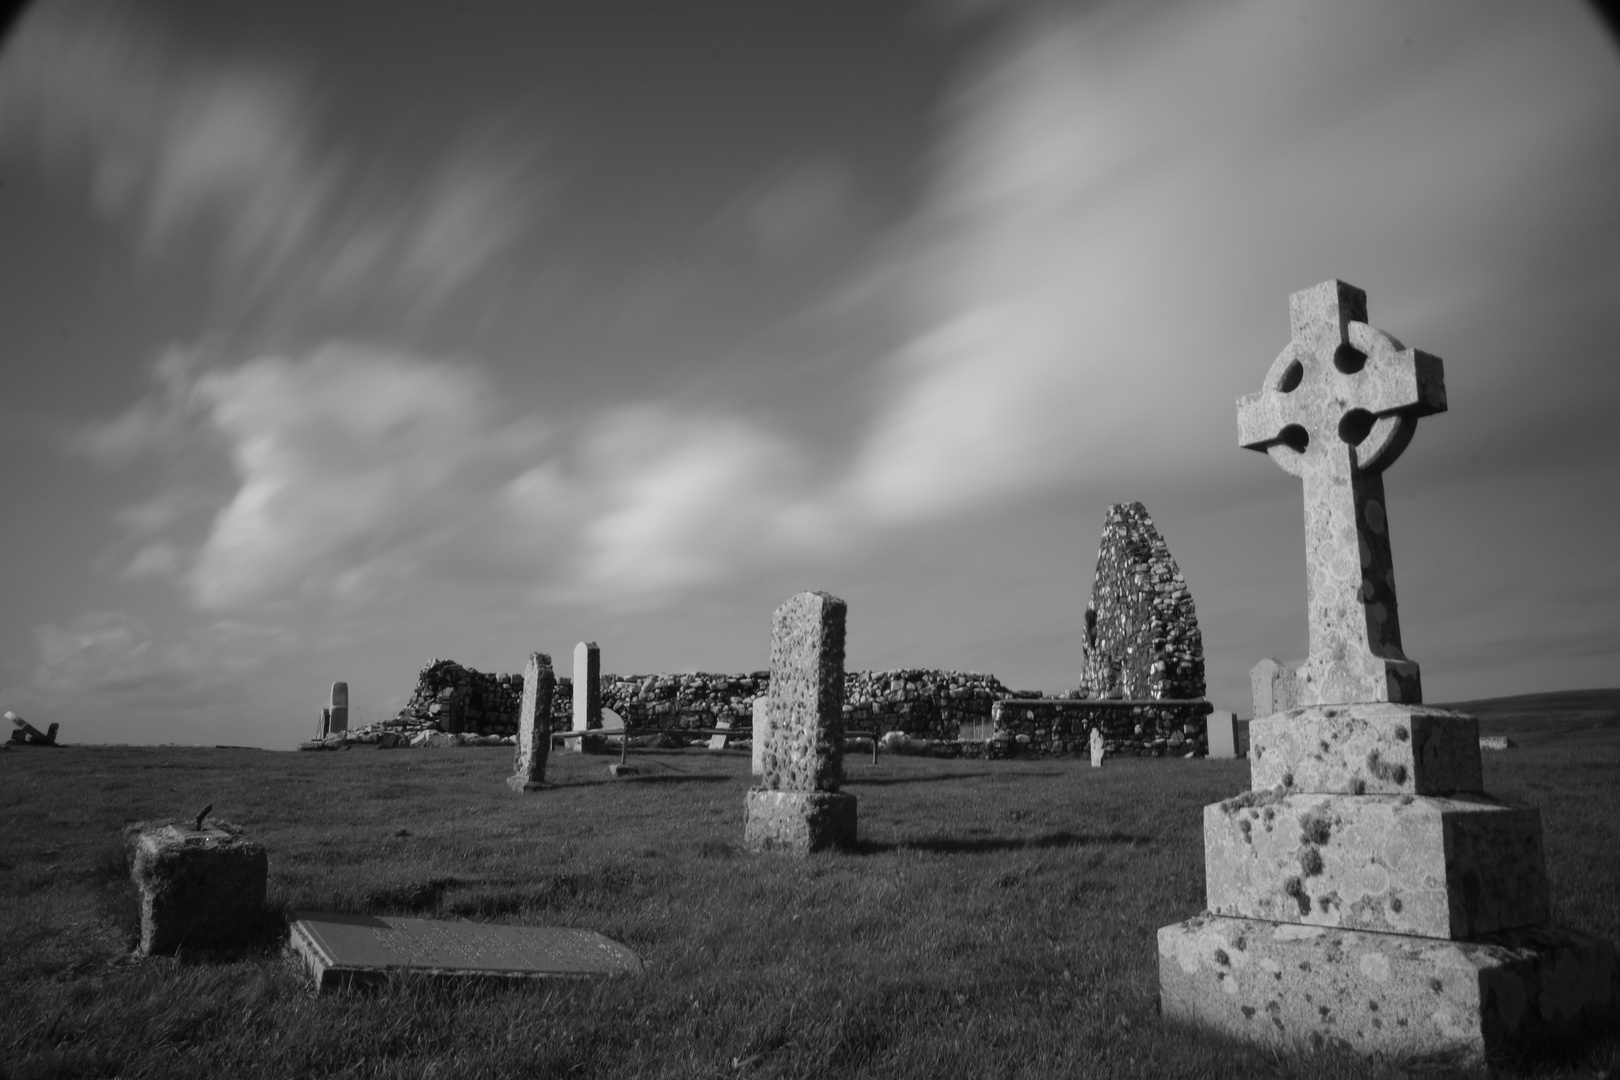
344 950
199 887
1367 892
762 729
587 692
534 725
796 808
1096 748
339 722
718 742
1222 728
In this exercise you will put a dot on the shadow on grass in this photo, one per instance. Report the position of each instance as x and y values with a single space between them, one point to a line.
851 779
945 845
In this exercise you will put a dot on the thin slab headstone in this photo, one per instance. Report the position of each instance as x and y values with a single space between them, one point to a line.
1222 734
1366 892
761 732
534 725
342 950
587 692
340 709
612 721
1096 748
796 808
718 742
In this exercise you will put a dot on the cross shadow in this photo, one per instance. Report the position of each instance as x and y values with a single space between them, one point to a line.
946 845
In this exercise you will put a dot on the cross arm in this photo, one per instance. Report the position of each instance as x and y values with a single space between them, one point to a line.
1261 419
1411 382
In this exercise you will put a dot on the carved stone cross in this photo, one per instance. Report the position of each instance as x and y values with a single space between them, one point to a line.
1339 404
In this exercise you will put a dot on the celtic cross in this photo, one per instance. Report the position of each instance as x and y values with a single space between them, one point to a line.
1339 404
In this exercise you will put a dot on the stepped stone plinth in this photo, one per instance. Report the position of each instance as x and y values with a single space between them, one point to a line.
1367 893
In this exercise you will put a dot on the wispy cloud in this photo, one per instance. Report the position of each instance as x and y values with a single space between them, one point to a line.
181 145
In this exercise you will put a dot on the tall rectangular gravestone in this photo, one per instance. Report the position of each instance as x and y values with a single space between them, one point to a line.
534 725
587 692
1222 727
762 730
796 808
1367 892
339 722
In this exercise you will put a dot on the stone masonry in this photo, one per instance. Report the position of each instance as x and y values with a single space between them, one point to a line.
199 886
1142 639
1367 892
796 808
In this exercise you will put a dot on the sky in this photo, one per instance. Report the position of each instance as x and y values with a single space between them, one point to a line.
338 338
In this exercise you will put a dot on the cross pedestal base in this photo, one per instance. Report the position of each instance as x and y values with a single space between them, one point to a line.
1308 986
1366 749
798 822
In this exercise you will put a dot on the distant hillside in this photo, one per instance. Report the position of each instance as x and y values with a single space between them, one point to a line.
1559 710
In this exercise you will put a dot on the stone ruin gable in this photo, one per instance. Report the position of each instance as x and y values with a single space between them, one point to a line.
1142 640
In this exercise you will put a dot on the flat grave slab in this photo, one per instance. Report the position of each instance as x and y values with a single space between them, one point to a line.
343 949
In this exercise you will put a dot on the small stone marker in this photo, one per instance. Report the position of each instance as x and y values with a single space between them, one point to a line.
718 742
612 721
340 709
1222 727
342 950
1096 748
534 725
199 888
762 731
1367 893
587 692
797 807
29 734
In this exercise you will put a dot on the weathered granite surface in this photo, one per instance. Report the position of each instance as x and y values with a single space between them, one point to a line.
1375 749
198 888
534 725
798 822
1292 985
1340 403
1398 864
805 748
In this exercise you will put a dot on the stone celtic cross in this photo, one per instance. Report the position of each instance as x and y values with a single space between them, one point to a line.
1339 404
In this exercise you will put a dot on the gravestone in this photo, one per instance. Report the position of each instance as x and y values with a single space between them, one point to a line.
1222 728
587 692
199 886
762 730
343 950
1367 892
534 725
339 722
796 808
718 742
28 734
1096 748
612 721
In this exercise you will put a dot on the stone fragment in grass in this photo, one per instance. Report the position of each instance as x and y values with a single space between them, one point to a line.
197 888
343 950
534 725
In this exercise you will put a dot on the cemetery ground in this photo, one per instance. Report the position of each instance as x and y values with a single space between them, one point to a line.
997 919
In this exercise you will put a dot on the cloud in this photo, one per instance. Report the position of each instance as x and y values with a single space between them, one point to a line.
111 655
180 145
1126 195
796 210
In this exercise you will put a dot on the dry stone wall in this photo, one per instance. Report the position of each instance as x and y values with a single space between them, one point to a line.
922 702
1129 728
1142 637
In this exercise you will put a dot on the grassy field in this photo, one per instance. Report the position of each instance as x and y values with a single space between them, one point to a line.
997 920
